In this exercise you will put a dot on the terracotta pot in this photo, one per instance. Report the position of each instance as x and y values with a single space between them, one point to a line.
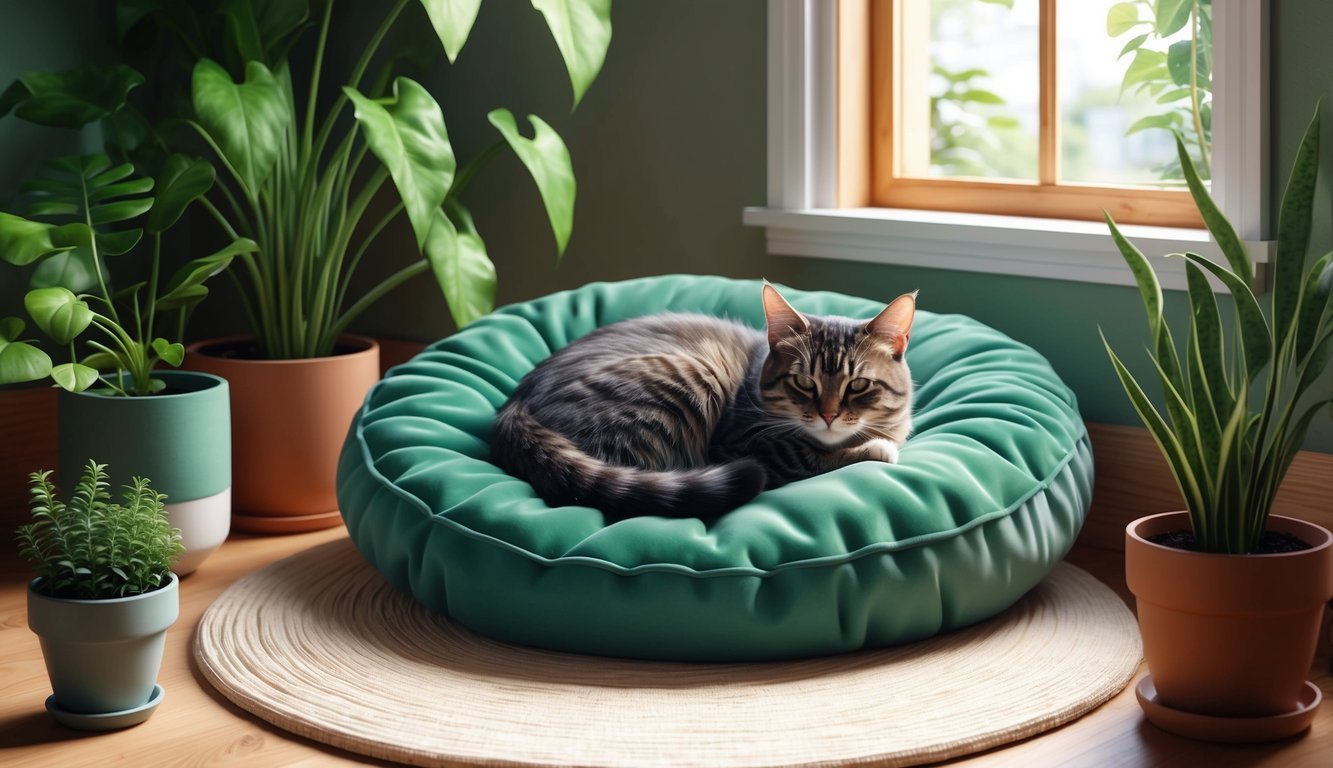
1229 635
289 420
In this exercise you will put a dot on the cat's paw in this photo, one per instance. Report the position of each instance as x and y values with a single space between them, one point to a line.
880 449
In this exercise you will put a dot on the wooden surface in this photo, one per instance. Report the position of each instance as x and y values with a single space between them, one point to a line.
196 726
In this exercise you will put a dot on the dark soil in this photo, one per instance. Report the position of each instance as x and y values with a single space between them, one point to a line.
1270 543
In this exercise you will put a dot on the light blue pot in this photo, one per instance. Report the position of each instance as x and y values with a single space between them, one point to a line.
103 655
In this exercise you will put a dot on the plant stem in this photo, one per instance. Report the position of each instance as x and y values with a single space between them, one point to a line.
152 286
393 281
311 98
1194 89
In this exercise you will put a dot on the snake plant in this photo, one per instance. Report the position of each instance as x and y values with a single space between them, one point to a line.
1238 402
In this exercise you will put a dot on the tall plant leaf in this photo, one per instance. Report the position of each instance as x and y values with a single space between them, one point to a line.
248 121
1254 333
1150 290
1223 233
452 20
181 181
181 289
22 241
258 27
462 269
1293 231
408 135
73 98
1314 304
548 161
582 32
1208 374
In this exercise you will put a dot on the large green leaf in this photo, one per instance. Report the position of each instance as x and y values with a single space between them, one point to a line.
58 312
182 289
73 270
248 121
19 360
548 161
73 98
1146 65
84 188
1178 64
257 27
407 134
23 241
465 274
453 21
181 181
1170 16
582 32
1121 18
1293 231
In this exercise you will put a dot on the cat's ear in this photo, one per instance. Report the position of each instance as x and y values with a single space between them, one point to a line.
895 322
782 320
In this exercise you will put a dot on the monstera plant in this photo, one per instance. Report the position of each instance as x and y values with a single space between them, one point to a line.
301 164
78 213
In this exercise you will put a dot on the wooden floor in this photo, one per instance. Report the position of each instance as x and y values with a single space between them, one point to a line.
195 726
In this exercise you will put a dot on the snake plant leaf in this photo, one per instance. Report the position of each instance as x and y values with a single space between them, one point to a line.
582 32
452 20
169 352
408 135
58 312
74 377
1160 431
1223 233
72 98
182 288
248 121
1293 232
23 241
461 267
1150 290
181 181
1255 337
1208 376
1314 303
19 360
548 162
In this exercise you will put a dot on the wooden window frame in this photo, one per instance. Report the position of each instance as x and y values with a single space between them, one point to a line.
818 202
1046 196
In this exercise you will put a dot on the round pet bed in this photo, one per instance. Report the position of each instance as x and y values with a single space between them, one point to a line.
988 495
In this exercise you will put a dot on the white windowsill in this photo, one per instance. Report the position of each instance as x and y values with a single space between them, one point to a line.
1009 245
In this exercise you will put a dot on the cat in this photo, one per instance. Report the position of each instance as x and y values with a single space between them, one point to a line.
687 415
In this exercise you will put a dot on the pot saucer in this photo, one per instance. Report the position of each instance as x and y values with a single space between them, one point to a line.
1235 730
105 721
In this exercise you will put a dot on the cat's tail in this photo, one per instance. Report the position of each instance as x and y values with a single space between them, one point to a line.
562 473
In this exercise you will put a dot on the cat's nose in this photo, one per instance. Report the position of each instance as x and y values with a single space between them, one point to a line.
829 417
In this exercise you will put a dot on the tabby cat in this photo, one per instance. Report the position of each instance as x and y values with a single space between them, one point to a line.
687 415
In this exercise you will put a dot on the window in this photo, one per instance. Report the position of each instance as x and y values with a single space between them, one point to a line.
859 168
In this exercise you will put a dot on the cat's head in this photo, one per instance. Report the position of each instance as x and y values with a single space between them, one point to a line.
842 380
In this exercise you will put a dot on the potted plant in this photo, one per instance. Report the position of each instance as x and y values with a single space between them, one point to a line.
1230 597
103 597
78 213
302 169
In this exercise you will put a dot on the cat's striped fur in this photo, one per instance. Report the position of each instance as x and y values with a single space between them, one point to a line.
688 415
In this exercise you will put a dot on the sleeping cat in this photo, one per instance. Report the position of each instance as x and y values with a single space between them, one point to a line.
687 415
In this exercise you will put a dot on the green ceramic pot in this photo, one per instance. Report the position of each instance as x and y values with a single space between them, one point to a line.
103 656
181 440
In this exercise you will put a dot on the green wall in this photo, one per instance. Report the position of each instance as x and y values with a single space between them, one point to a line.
669 146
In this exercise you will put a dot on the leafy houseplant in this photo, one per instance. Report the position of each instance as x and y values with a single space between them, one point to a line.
81 211
1229 626
300 177
103 597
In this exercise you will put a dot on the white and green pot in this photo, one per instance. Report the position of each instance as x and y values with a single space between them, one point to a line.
180 440
103 656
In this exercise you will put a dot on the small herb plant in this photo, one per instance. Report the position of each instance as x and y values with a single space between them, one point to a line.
93 548
1238 404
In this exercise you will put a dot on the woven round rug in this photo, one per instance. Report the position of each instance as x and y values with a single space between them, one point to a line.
321 645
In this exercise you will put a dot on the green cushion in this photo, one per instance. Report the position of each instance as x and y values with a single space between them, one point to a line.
987 497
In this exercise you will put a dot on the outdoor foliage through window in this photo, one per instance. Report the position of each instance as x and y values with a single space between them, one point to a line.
1129 74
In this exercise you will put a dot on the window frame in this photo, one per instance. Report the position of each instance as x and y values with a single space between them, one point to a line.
820 186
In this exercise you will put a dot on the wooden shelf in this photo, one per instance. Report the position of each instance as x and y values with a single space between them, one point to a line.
196 726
